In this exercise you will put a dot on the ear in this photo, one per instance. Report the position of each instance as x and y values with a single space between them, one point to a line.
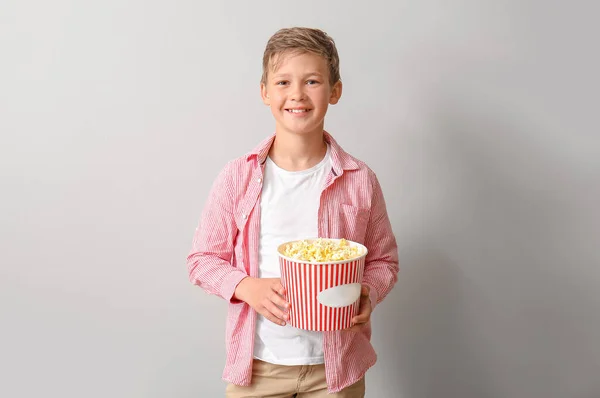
264 95
336 93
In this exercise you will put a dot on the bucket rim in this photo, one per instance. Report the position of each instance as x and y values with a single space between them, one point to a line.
295 260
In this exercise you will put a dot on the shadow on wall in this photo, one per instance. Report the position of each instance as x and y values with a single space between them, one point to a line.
429 332
491 302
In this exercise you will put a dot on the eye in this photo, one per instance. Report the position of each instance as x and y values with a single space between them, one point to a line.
312 82
281 83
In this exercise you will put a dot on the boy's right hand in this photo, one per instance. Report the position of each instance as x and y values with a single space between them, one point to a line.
266 296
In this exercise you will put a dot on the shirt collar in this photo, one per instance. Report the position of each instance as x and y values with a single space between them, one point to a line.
340 159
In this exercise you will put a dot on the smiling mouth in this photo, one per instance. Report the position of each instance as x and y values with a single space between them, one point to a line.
298 111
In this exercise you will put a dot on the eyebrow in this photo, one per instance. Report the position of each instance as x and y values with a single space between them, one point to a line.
282 75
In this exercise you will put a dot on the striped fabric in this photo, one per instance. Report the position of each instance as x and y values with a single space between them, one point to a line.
226 242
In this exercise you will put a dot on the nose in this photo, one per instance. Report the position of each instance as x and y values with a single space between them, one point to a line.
297 93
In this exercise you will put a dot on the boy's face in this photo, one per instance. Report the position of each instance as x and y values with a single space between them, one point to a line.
299 93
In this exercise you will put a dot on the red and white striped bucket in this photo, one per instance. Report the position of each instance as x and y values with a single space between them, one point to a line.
323 296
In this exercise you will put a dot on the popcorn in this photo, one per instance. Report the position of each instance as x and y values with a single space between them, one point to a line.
322 250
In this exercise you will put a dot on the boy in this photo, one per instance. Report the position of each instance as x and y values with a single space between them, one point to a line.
296 184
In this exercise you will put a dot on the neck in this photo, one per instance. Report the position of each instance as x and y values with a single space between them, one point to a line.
295 152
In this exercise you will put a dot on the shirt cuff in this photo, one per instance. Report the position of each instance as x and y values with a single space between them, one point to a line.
230 283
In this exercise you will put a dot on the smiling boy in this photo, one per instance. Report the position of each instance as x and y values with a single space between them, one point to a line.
297 183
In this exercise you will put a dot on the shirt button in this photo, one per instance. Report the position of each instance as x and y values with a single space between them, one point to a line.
259 179
244 216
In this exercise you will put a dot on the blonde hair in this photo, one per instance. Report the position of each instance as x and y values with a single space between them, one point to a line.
300 40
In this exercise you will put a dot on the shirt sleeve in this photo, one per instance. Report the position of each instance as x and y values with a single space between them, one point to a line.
209 261
381 264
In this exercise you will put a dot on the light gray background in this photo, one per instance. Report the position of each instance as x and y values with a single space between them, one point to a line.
479 117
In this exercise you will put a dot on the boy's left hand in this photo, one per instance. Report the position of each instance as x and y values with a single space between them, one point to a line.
364 311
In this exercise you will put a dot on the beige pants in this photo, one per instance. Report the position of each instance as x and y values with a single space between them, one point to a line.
278 381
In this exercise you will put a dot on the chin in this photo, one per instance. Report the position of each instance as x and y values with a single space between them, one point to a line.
304 131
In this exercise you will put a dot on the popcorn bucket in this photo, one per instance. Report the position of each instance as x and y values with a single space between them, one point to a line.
324 296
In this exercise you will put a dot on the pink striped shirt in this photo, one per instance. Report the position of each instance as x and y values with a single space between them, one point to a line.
226 242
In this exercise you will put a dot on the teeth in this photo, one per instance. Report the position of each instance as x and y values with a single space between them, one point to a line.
297 110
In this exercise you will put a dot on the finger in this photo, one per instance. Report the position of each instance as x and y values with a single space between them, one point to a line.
269 315
357 327
362 318
275 309
279 301
364 315
278 288
276 315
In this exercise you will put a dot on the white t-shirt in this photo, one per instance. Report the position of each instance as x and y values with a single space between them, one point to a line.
289 207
